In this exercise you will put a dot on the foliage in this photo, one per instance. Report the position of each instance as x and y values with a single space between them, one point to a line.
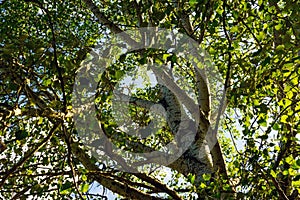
254 46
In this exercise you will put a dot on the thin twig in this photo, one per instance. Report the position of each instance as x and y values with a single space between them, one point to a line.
29 154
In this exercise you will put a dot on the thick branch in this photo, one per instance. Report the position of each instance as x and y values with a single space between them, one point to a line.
203 91
180 94
113 184
158 184
217 155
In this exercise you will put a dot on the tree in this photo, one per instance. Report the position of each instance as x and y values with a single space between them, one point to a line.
253 45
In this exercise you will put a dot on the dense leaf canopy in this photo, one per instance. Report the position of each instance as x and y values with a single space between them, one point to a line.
254 59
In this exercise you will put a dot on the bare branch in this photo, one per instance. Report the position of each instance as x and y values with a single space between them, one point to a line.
219 162
203 91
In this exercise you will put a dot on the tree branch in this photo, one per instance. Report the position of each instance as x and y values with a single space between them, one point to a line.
205 19
109 24
203 91
216 152
29 154
113 184
55 59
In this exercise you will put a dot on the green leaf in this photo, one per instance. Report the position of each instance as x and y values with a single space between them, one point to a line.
173 58
206 177
192 2
284 118
83 177
65 188
40 120
143 60
165 56
119 74
266 61
290 94
122 58
261 35
276 126
278 27
202 185
280 47
191 177
220 10
21 134
36 188
273 174
234 29
256 102
285 172
85 187
29 172
262 122
263 108
289 159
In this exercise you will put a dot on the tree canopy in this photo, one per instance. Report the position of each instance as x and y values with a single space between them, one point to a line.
124 96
